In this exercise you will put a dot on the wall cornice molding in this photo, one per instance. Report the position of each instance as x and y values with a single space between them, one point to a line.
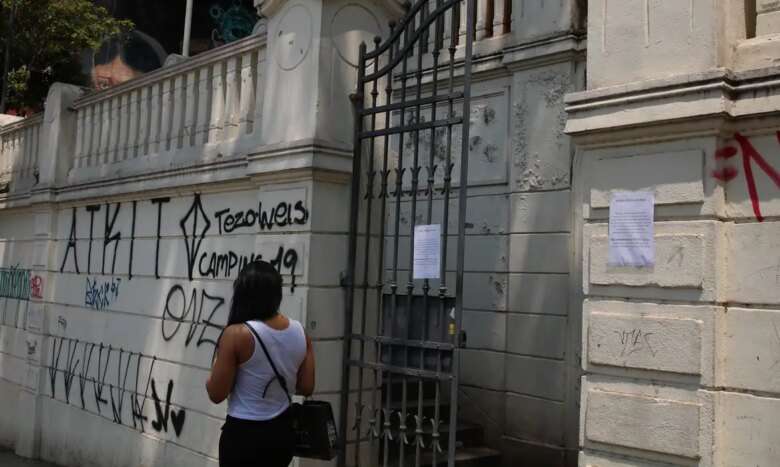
705 104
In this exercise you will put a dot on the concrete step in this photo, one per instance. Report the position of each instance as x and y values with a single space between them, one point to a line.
465 457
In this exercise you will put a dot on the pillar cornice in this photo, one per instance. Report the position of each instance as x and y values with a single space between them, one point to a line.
393 8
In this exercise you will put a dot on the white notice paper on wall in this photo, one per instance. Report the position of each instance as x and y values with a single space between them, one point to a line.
631 241
427 251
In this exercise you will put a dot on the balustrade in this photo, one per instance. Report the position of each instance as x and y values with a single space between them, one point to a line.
19 148
207 100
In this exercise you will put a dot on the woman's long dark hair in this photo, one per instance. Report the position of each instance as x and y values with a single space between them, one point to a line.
257 293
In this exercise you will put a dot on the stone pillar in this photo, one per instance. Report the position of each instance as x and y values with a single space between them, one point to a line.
306 137
767 17
676 356
636 40
56 149
58 135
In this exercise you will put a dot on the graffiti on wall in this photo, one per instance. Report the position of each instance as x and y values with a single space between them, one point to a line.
111 245
15 283
36 287
99 294
181 311
195 225
88 364
750 155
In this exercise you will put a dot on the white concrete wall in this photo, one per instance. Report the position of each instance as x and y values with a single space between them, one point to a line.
680 358
123 322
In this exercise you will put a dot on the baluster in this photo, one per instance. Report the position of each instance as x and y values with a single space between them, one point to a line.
132 132
105 130
95 144
89 123
154 128
506 16
190 112
7 154
247 99
143 122
204 101
166 116
177 103
17 159
24 161
231 99
492 23
259 88
113 139
124 126
217 103
79 137
2 157
36 144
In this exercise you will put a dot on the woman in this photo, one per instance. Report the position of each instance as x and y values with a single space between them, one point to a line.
257 429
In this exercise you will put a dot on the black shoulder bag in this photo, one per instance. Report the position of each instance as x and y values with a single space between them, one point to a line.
312 421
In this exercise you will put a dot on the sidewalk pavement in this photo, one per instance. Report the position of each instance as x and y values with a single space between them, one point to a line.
9 459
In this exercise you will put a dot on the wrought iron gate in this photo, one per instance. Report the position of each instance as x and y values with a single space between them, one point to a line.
410 168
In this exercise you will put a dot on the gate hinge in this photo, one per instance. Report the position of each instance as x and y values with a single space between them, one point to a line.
462 339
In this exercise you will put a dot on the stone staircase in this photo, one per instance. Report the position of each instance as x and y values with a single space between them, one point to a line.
470 448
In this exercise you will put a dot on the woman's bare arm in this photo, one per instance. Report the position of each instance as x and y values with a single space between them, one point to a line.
223 371
305 384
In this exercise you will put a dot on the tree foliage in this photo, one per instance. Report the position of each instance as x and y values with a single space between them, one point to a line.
48 39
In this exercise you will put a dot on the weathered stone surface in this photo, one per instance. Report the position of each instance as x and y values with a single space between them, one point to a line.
675 177
668 338
538 336
533 19
650 343
650 424
483 368
746 430
632 43
546 294
749 350
687 263
544 212
534 419
534 253
485 330
754 263
536 377
541 153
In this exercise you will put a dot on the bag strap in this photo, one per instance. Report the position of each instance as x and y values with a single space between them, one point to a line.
282 381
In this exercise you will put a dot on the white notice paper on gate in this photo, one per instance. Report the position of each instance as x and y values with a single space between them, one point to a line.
427 251
631 241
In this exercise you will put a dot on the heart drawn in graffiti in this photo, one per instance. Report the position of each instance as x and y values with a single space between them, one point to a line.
177 420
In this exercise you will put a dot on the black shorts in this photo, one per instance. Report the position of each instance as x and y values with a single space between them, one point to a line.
250 443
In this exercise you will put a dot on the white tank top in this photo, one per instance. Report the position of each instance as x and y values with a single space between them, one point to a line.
256 394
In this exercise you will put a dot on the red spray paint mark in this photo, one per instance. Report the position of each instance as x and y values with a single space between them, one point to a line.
726 153
726 174
749 153
36 287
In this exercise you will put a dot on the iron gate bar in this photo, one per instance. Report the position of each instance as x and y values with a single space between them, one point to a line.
423 101
416 127
427 374
369 197
409 42
443 340
411 343
462 199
